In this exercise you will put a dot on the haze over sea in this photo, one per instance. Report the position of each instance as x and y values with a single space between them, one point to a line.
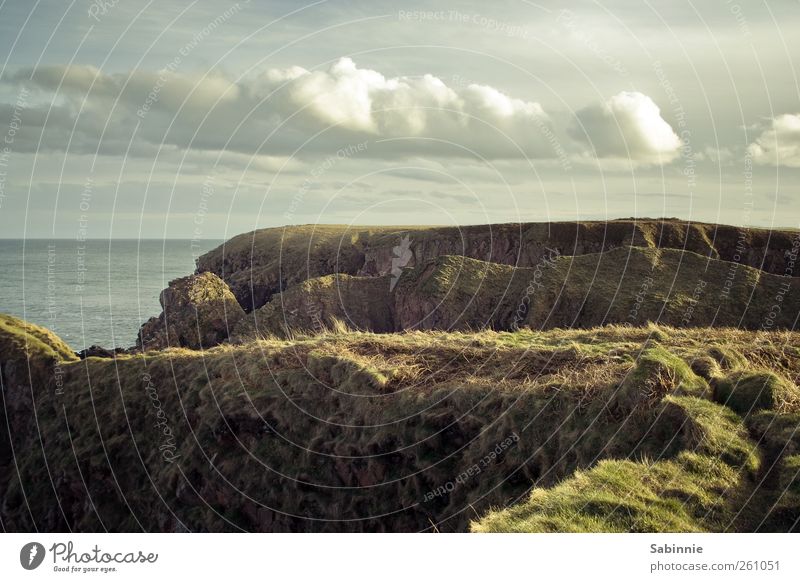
96 292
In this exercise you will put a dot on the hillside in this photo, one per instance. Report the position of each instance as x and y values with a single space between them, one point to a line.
632 285
259 264
606 429
616 376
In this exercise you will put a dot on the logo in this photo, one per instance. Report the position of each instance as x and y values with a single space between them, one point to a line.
31 555
402 256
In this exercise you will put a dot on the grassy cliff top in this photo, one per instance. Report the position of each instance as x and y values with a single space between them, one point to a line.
259 264
606 429
17 335
655 229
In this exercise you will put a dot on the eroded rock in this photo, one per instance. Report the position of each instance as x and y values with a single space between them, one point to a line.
198 311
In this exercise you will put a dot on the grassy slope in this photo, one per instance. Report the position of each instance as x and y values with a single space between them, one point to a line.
692 492
17 335
627 285
30 361
353 431
360 302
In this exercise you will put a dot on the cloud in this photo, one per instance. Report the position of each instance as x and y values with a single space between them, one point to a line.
275 112
421 109
779 144
627 126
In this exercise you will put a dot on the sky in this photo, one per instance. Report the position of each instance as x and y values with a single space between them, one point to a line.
201 119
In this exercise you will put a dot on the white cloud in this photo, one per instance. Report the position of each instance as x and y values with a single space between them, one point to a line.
362 100
718 156
779 144
280 110
275 112
628 126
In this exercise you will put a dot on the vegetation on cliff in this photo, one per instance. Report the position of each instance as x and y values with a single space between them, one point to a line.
537 377
259 264
632 285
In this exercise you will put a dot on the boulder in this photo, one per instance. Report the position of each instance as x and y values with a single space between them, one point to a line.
99 352
198 312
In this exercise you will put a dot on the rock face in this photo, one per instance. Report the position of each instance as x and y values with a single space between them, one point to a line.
259 264
386 279
99 352
633 285
315 305
198 312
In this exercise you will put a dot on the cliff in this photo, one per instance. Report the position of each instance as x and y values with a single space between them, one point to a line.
259 264
632 286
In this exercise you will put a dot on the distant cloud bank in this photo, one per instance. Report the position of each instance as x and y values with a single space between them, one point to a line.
294 111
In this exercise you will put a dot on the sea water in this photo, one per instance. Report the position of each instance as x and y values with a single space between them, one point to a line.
96 292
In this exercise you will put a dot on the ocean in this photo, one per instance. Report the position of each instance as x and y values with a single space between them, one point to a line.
96 292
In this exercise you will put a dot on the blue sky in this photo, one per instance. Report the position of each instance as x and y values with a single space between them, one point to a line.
206 119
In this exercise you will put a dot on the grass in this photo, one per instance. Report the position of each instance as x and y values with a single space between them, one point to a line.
342 430
17 335
691 493
658 373
787 506
747 391
326 303
631 286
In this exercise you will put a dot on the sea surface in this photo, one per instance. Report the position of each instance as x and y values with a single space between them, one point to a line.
96 292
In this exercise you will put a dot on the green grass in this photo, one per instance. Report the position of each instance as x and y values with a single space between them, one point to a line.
658 373
36 341
337 424
751 391
690 493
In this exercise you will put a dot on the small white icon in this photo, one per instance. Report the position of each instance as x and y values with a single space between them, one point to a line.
402 256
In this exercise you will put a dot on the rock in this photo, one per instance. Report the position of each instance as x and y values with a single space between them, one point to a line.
316 305
99 352
198 312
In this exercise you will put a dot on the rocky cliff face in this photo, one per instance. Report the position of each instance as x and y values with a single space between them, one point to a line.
387 279
633 286
198 312
260 264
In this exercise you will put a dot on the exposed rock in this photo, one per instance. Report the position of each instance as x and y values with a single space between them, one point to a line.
198 312
256 267
317 304
99 352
